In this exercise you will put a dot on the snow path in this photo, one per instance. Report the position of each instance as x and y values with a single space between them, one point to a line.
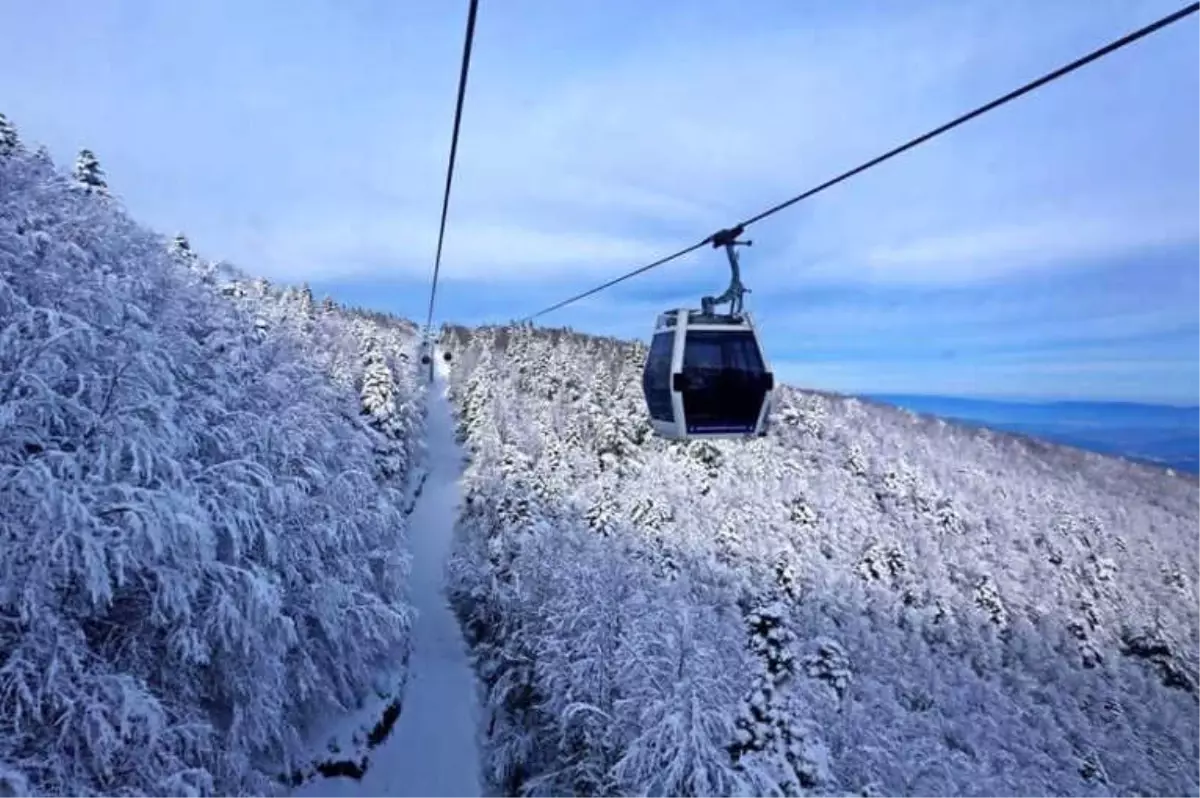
433 749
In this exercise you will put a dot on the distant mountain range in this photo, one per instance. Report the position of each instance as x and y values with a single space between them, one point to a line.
1164 435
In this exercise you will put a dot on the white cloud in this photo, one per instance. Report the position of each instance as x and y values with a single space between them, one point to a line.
583 156
600 137
635 156
475 249
985 248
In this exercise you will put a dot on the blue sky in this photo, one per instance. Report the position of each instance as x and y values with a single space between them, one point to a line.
1048 249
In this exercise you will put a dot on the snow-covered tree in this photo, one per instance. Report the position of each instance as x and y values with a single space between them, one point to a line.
883 547
88 173
377 394
42 156
8 137
194 559
181 247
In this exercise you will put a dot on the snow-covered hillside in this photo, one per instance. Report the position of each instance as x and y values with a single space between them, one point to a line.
202 538
204 560
866 601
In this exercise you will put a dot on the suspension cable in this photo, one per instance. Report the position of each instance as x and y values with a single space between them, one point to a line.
908 145
458 108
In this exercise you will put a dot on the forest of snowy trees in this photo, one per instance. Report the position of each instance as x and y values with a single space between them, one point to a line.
202 532
864 602
204 555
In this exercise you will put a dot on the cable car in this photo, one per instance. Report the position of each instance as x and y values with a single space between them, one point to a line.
706 375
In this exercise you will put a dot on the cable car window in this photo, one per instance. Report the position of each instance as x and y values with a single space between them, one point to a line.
708 349
726 381
743 354
702 352
656 379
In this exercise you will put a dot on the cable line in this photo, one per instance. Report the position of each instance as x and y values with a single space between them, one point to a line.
1049 77
458 108
620 279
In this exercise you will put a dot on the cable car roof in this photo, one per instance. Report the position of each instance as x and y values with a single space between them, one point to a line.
698 319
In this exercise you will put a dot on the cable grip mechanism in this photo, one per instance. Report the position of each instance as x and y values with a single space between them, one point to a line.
728 239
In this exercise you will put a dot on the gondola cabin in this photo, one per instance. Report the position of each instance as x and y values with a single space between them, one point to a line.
706 377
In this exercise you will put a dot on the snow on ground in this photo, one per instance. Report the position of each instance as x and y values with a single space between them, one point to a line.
433 749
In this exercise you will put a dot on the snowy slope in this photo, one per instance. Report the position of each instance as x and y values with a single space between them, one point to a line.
866 601
435 750
432 750
202 540
205 570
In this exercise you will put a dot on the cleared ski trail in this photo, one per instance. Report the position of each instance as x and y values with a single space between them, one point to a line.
433 749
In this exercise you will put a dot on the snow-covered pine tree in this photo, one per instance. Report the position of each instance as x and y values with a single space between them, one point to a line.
42 155
8 136
181 247
377 396
379 405
307 303
769 733
88 173
770 641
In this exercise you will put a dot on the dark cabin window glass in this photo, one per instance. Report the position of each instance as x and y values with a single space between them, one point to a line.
726 381
708 349
656 379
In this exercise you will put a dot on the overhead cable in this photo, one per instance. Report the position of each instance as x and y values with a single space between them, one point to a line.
1049 77
458 109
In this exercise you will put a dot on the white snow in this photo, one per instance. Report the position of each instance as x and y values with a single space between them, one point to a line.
206 554
954 612
200 551
433 750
